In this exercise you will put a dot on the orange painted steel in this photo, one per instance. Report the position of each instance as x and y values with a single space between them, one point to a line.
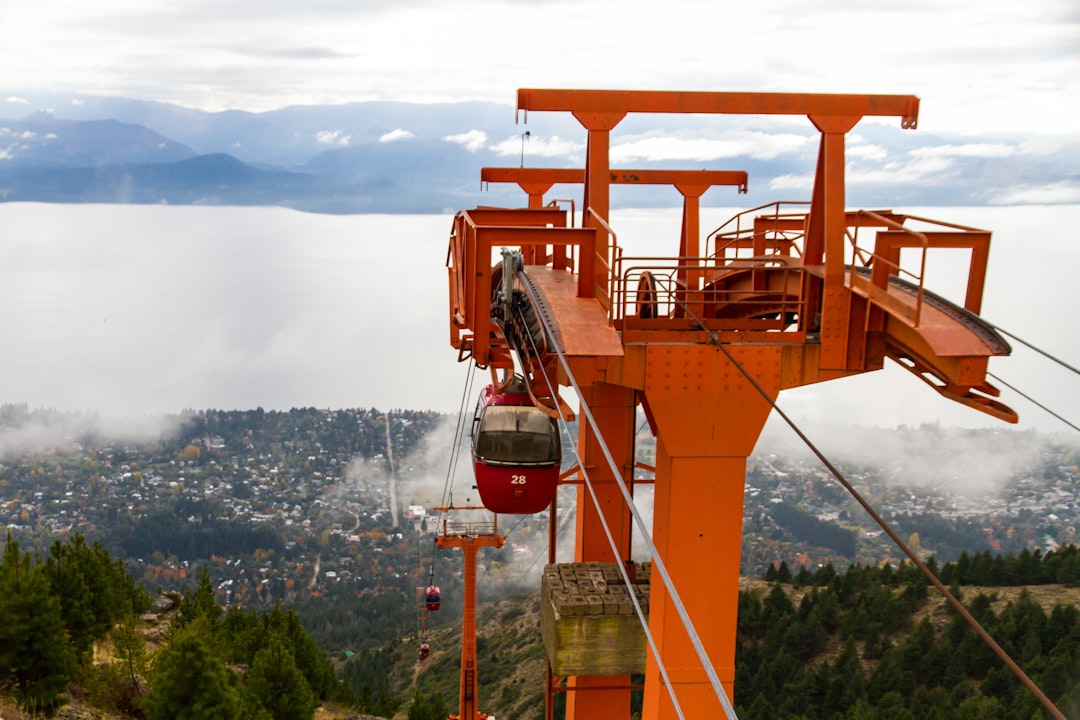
470 538
787 294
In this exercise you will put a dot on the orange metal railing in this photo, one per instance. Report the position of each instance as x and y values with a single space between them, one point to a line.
781 232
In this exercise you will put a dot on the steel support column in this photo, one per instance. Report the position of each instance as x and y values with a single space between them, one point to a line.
708 418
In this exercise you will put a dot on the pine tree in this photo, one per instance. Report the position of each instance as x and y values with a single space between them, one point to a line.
189 683
311 661
129 651
94 591
68 578
199 604
35 657
278 685
431 707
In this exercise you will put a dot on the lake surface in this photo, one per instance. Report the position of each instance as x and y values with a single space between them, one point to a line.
132 310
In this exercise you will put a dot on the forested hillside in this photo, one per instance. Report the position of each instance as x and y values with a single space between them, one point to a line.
863 643
879 643
75 627
290 515
860 644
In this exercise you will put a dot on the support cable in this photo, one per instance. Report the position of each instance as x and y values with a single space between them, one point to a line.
1033 401
1039 350
451 471
956 604
604 524
459 433
658 562
587 481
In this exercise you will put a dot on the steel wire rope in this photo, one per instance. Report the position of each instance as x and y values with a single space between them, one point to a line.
451 471
421 607
1033 401
1045 354
658 562
1037 349
455 451
1017 671
587 481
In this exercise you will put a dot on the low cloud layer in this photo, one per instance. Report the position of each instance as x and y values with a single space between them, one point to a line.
979 66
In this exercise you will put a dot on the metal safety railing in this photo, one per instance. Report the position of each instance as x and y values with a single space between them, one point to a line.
781 229
468 529
892 235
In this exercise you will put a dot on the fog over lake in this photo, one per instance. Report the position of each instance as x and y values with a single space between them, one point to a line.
129 310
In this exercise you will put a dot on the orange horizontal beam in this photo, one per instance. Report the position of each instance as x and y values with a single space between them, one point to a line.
618 176
905 107
517 217
573 176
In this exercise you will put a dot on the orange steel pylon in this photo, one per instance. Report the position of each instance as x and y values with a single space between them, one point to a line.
705 339
470 537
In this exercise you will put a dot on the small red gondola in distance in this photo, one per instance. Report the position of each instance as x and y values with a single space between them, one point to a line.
432 597
516 451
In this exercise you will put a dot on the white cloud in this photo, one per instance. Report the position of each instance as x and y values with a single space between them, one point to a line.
398 134
332 137
4 154
994 150
1064 192
923 169
657 148
472 140
77 102
1040 147
14 100
539 146
992 64
792 181
866 152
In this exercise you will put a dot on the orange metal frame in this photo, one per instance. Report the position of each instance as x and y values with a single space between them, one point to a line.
790 299
470 537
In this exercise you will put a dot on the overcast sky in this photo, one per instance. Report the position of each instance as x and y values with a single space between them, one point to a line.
978 65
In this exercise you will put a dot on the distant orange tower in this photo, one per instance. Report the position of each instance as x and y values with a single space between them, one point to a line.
469 537
704 336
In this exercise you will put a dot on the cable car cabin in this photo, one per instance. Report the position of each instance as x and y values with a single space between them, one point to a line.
516 451
432 599
424 651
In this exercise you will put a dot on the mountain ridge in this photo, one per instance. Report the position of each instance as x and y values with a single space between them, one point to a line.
398 157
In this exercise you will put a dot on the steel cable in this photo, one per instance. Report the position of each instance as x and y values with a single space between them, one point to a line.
1033 401
1037 349
1017 671
658 562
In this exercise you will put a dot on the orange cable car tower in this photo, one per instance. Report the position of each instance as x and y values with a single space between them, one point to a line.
470 537
704 336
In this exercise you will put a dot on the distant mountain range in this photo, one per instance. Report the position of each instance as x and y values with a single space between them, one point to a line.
384 157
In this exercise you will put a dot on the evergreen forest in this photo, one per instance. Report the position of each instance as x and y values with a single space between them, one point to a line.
868 642
294 576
